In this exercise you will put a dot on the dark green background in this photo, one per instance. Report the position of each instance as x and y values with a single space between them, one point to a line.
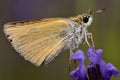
105 29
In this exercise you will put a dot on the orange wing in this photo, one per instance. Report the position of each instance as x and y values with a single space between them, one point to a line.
38 40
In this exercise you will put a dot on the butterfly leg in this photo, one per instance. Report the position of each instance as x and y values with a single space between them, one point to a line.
90 36
71 52
86 39
72 63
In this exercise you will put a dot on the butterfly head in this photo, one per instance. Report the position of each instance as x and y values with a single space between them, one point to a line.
85 19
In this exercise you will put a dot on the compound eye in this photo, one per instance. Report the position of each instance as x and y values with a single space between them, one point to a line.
85 19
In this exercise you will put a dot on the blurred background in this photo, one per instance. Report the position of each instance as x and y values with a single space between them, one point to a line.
105 29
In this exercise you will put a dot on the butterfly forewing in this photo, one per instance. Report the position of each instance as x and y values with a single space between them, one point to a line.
39 40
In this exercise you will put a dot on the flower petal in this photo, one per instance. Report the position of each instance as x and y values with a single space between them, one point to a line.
110 70
92 55
80 72
78 55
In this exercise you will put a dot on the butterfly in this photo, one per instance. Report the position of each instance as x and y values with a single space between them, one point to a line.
40 41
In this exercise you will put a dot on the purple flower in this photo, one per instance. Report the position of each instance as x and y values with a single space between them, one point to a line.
105 70
80 73
97 69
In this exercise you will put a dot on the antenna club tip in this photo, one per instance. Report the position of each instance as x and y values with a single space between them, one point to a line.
101 10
